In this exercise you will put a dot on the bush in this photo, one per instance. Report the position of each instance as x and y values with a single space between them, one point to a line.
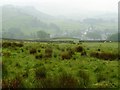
6 54
67 81
11 44
45 83
84 53
33 51
6 44
20 45
98 50
15 83
14 44
66 55
39 50
104 55
48 52
101 76
55 55
39 56
84 79
4 70
22 50
79 49
17 65
94 54
40 72
108 56
71 52
25 74
88 48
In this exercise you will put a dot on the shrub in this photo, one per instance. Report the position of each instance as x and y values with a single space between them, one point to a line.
45 83
94 54
33 51
55 55
14 44
79 49
107 56
102 77
18 65
48 52
11 44
84 79
40 72
20 44
71 52
104 55
66 80
7 54
84 53
39 50
22 50
25 74
39 56
66 55
15 83
6 44
4 70
98 50
88 48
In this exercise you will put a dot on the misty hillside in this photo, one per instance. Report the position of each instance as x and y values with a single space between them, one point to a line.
28 20
24 19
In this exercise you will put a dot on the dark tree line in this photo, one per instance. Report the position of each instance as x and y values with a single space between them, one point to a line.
16 33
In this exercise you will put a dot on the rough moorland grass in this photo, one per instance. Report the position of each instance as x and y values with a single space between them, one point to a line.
12 44
79 49
65 55
48 52
36 71
104 55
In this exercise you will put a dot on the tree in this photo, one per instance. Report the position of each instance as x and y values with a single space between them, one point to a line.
93 35
43 35
114 37
13 33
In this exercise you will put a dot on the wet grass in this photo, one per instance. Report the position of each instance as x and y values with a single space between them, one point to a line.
52 65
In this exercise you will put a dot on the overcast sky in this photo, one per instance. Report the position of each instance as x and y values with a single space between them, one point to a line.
60 7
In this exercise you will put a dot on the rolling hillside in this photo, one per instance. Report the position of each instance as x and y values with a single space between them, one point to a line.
29 20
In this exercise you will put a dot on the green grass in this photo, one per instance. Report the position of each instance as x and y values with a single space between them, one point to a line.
53 72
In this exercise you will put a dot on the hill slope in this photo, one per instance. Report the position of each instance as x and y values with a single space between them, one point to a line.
29 20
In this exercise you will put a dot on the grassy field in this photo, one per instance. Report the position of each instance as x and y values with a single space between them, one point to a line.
59 65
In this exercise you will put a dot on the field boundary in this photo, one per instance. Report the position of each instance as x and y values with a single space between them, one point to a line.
59 41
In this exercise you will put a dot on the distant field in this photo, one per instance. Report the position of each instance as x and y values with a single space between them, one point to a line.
60 65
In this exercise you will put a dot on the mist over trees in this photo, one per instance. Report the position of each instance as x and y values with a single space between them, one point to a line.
13 33
29 23
94 35
114 37
42 35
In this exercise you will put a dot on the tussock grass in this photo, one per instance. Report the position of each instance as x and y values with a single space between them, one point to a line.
33 51
104 55
79 49
53 65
